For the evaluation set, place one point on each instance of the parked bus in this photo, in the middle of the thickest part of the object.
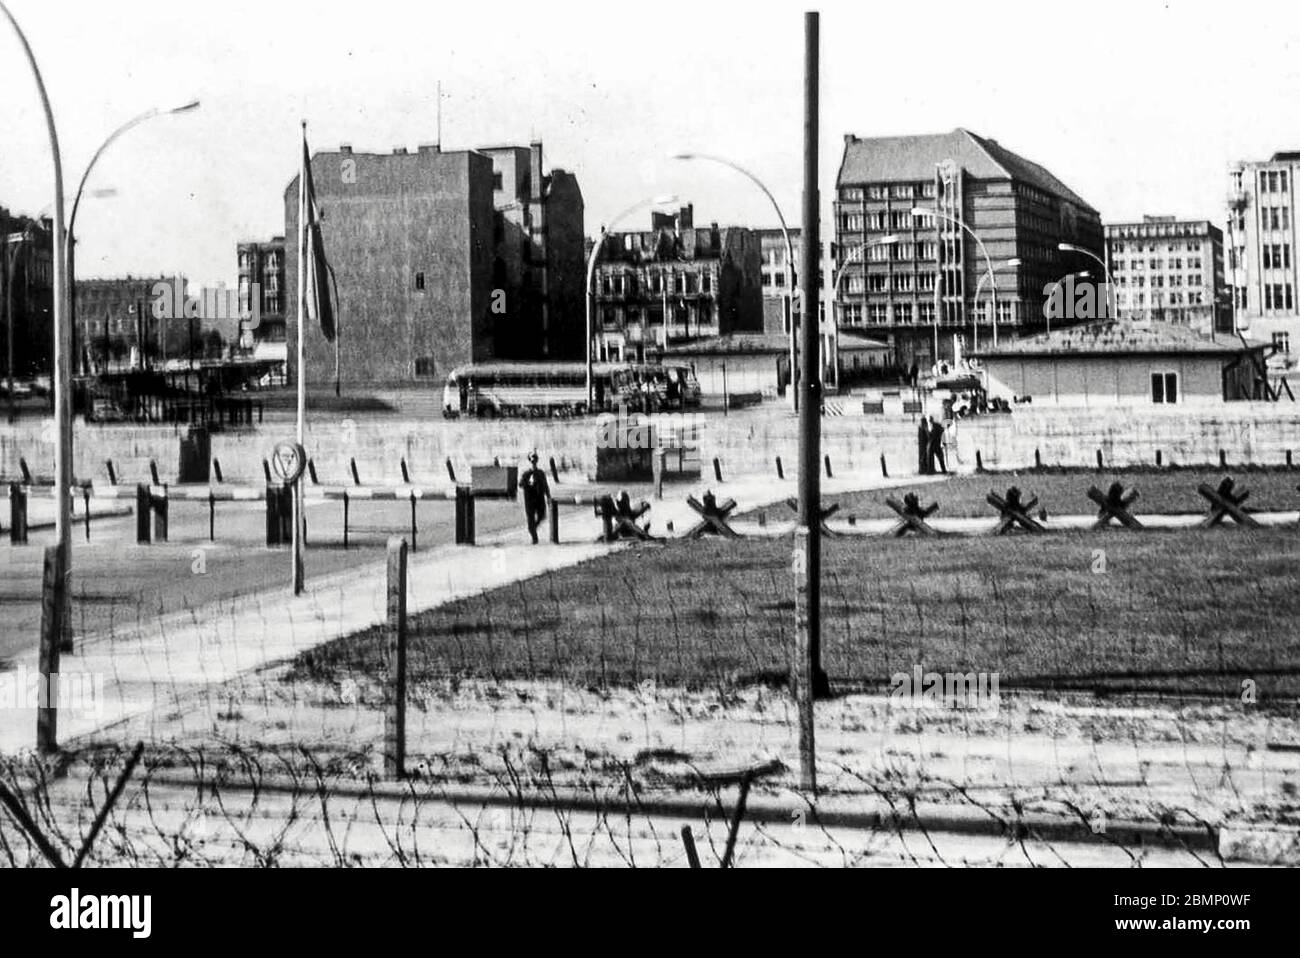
(560, 389)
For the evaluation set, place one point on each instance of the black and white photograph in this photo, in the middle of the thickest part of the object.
(703, 435)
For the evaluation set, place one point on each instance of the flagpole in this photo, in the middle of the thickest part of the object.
(298, 510)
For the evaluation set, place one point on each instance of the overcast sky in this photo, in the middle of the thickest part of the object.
(1139, 106)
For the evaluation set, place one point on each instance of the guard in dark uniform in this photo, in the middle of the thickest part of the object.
(536, 493)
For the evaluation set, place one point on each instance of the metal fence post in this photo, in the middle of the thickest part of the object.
(17, 514)
(395, 711)
(143, 515)
(53, 583)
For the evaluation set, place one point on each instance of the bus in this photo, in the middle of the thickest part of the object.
(560, 389)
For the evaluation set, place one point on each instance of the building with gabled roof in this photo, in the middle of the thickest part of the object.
(923, 282)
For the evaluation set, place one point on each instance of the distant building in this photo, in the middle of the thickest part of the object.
(26, 288)
(1118, 362)
(261, 267)
(673, 283)
(772, 243)
(917, 284)
(441, 258)
(118, 328)
(1169, 269)
(1262, 250)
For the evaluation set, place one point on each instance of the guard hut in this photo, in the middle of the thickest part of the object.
(1119, 362)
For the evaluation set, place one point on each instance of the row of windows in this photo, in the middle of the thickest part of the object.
(1272, 181)
(882, 191)
(1277, 296)
(681, 314)
(627, 284)
(1192, 262)
(1158, 282)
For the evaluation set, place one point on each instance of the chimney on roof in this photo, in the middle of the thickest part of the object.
(430, 148)
(345, 147)
(399, 151)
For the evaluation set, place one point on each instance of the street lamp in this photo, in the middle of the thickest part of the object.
(58, 628)
(921, 212)
(1013, 263)
(855, 256)
(81, 187)
(1071, 248)
(591, 278)
(789, 256)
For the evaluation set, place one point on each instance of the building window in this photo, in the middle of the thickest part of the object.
(1282, 342)
(496, 181)
(424, 367)
(706, 282)
(419, 282)
(1164, 387)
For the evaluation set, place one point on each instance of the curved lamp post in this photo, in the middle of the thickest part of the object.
(81, 187)
(921, 212)
(60, 626)
(1051, 292)
(789, 255)
(854, 257)
(591, 278)
(1105, 267)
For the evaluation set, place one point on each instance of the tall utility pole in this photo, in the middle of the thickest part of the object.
(810, 681)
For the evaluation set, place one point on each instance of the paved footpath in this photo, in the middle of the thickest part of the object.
(153, 665)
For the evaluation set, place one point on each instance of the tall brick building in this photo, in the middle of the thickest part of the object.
(421, 242)
(674, 283)
(918, 293)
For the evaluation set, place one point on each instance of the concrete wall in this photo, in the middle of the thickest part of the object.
(746, 441)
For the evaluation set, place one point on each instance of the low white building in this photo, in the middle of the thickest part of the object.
(753, 363)
(1123, 363)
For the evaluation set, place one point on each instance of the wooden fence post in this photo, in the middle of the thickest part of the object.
(555, 522)
(53, 582)
(395, 712)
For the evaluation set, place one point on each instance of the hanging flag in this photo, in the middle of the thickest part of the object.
(319, 305)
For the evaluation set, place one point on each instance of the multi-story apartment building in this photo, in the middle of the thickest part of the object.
(775, 289)
(118, 328)
(26, 294)
(1171, 270)
(261, 268)
(539, 238)
(920, 281)
(442, 258)
(674, 283)
(1262, 250)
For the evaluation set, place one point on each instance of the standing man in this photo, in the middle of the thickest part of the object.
(924, 455)
(536, 494)
(936, 446)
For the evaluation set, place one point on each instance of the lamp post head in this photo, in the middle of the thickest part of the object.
(665, 200)
(1015, 262)
(186, 108)
(920, 211)
(684, 156)
(1068, 248)
(888, 240)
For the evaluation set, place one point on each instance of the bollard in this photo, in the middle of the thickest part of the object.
(1288, 458)
(1223, 459)
(780, 470)
(85, 504)
(212, 517)
(27, 473)
(395, 710)
(153, 473)
(1100, 465)
(311, 472)
(829, 475)
(160, 510)
(1038, 459)
(216, 470)
(979, 462)
(555, 521)
(451, 473)
(356, 478)
(112, 473)
(1159, 456)
(266, 470)
(717, 469)
(279, 514)
(884, 467)
(659, 465)
(17, 514)
(464, 516)
(143, 509)
(406, 481)
(555, 473)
